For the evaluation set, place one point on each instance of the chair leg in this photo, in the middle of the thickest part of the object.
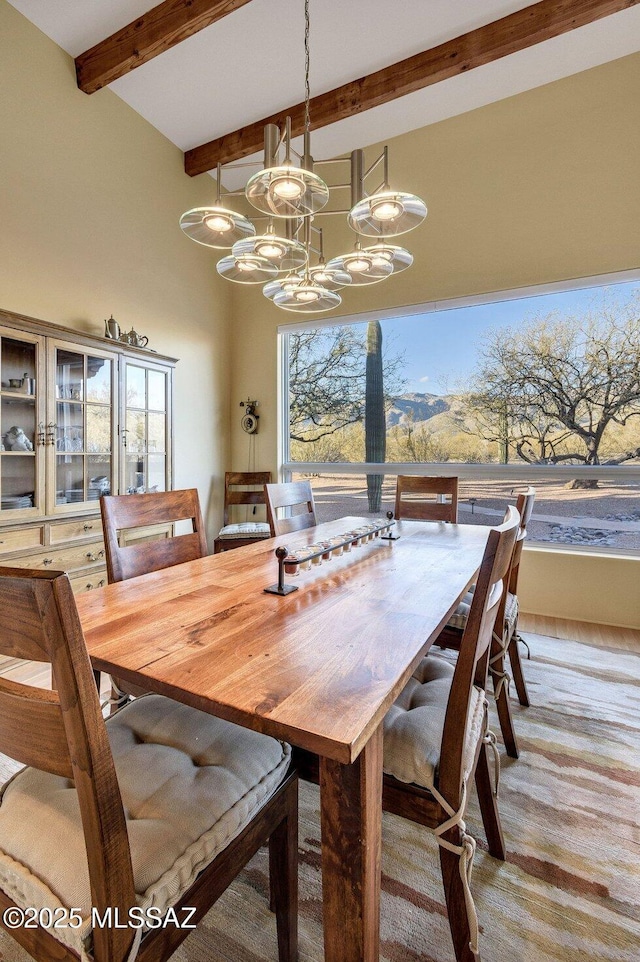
(454, 897)
(516, 670)
(283, 878)
(489, 806)
(503, 705)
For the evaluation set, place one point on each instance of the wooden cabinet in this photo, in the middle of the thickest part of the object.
(80, 416)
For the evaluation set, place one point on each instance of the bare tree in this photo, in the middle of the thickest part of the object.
(327, 380)
(551, 388)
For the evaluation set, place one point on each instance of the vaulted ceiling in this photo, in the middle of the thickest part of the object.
(209, 73)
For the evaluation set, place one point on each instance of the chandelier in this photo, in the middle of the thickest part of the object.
(289, 196)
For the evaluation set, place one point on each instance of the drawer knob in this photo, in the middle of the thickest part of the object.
(90, 585)
(95, 557)
(48, 561)
(87, 527)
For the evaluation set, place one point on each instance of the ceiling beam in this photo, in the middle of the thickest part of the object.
(143, 39)
(524, 28)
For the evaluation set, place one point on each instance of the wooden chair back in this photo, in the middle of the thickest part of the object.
(524, 506)
(126, 511)
(63, 732)
(473, 659)
(244, 487)
(292, 494)
(422, 503)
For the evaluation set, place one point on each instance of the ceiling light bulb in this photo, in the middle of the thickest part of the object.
(270, 248)
(386, 210)
(306, 294)
(219, 223)
(290, 283)
(287, 187)
(356, 264)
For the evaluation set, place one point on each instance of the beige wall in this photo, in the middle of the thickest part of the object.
(540, 187)
(90, 196)
(603, 589)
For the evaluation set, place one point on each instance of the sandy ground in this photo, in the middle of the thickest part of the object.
(606, 517)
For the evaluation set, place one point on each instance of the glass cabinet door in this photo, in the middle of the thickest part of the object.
(21, 417)
(146, 439)
(81, 431)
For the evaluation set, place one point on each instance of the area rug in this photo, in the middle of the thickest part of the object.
(570, 888)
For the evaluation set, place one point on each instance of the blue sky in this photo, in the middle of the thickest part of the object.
(440, 348)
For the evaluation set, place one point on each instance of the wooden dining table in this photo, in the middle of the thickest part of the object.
(318, 667)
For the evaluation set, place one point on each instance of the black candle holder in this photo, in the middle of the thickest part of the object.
(348, 540)
(281, 588)
(391, 536)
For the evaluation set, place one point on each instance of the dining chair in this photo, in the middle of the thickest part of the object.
(294, 495)
(242, 488)
(420, 498)
(147, 815)
(436, 739)
(127, 512)
(505, 640)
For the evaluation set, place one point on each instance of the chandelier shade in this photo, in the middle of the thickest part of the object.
(399, 258)
(387, 214)
(362, 266)
(246, 269)
(332, 278)
(285, 255)
(307, 298)
(216, 226)
(281, 284)
(287, 191)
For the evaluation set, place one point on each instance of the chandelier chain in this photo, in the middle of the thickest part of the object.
(307, 118)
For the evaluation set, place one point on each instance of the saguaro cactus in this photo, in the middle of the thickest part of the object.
(375, 428)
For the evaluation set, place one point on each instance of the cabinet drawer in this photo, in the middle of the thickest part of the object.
(73, 530)
(63, 559)
(94, 578)
(22, 538)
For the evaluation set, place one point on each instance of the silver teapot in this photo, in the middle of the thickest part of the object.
(134, 339)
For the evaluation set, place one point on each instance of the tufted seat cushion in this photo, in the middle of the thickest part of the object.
(414, 724)
(189, 781)
(246, 529)
(459, 618)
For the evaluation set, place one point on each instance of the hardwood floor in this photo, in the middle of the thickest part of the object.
(600, 636)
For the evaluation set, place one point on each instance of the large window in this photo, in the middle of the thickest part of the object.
(540, 387)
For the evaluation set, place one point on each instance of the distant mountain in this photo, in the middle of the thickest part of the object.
(416, 407)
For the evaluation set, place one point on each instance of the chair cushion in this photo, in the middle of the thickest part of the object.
(459, 618)
(190, 782)
(414, 724)
(246, 529)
